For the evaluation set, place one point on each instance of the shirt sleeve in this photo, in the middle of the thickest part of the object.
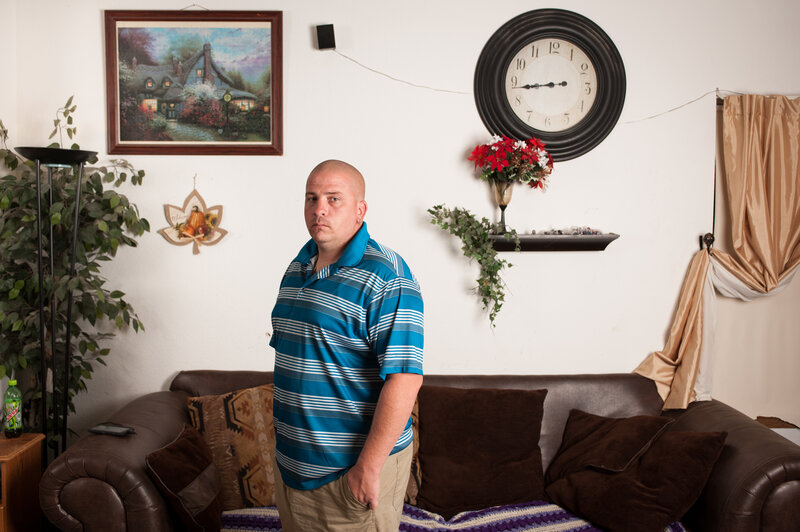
(396, 333)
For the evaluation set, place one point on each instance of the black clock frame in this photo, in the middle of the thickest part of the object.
(503, 45)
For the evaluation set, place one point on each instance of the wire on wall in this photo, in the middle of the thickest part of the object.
(717, 92)
(398, 79)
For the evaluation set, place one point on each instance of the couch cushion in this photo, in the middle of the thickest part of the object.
(608, 444)
(644, 488)
(238, 428)
(184, 473)
(478, 448)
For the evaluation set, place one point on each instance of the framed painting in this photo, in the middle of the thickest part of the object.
(194, 82)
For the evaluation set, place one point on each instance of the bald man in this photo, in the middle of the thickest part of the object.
(348, 339)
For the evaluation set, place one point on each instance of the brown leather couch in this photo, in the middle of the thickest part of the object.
(100, 484)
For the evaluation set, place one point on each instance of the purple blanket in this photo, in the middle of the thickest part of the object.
(538, 515)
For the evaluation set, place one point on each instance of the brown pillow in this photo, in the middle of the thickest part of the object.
(238, 428)
(478, 448)
(653, 491)
(609, 444)
(415, 477)
(184, 473)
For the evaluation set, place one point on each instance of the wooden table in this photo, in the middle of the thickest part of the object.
(21, 469)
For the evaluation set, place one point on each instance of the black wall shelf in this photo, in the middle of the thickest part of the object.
(555, 242)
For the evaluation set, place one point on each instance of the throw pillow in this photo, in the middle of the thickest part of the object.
(655, 489)
(184, 473)
(238, 428)
(478, 448)
(415, 477)
(609, 444)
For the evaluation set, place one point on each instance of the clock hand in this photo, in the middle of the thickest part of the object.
(540, 85)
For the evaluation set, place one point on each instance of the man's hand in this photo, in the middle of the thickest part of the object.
(365, 485)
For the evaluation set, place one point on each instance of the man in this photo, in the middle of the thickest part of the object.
(348, 336)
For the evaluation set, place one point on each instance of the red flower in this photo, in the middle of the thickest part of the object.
(508, 160)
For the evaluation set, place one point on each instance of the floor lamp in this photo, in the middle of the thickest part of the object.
(53, 158)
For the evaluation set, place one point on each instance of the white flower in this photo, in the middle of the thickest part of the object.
(543, 160)
(519, 145)
(495, 139)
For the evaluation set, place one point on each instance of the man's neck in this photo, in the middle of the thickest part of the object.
(323, 259)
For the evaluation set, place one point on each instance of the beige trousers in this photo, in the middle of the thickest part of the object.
(333, 507)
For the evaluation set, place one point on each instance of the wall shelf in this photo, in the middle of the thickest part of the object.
(555, 242)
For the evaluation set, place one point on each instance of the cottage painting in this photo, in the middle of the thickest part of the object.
(209, 85)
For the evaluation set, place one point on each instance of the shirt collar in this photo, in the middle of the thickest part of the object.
(352, 255)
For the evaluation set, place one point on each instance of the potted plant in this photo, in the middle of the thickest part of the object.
(504, 161)
(107, 220)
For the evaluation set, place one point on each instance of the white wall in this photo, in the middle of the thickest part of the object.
(651, 181)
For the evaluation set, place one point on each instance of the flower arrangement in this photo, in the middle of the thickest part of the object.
(506, 160)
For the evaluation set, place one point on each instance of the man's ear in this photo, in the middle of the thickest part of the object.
(362, 210)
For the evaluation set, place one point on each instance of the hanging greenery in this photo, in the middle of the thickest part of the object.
(107, 221)
(476, 244)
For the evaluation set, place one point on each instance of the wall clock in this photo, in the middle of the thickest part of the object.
(554, 75)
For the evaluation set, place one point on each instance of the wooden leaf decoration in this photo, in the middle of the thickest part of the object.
(194, 223)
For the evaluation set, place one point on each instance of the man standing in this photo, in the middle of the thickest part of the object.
(348, 337)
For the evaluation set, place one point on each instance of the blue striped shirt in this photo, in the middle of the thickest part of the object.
(337, 334)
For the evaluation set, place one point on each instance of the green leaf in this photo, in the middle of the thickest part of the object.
(17, 326)
(2, 371)
(103, 226)
(114, 201)
(23, 362)
(55, 218)
(4, 203)
(116, 294)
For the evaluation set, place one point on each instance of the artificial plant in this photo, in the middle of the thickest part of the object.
(476, 244)
(107, 220)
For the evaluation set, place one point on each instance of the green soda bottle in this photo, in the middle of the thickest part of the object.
(13, 410)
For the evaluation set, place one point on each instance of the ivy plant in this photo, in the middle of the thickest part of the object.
(107, 221)
(476, 245)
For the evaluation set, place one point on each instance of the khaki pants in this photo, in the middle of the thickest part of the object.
(333, 507)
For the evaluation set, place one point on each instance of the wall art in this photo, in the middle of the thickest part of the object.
(193, 223)
(194, 82)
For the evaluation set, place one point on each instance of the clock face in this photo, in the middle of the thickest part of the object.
(551, 84)
(554, 75)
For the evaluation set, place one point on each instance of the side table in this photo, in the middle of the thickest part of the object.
(21, 469)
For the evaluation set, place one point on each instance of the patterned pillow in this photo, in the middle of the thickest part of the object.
(237, 426)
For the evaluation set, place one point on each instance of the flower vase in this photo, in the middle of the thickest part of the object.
(502, 195)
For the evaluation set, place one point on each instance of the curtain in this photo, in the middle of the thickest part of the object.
(761, 154)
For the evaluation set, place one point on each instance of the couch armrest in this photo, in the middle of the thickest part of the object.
(755, 484)
(100, 483)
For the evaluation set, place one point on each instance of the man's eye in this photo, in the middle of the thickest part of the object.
(335, 200)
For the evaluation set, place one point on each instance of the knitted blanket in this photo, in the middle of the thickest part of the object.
(538, 515)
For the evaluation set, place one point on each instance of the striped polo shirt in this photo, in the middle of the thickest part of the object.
(337, 334)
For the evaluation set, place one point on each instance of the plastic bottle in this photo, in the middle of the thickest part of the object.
(13, 410)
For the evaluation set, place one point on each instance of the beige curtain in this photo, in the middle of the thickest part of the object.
(761, 147)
